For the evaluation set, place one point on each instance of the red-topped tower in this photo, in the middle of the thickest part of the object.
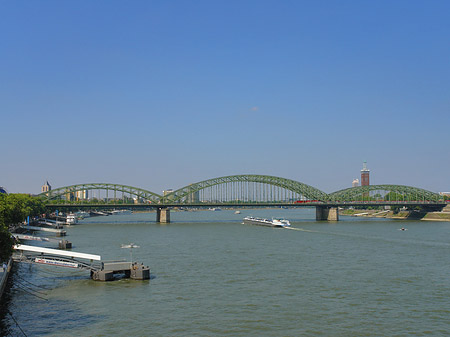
(365, 175)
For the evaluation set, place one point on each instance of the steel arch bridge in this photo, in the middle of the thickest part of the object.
(226, 190)
(388, 193)
(74, 192)
(238, 190)
(245, 188)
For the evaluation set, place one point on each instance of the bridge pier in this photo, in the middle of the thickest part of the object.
(163, 215)
(327, 213)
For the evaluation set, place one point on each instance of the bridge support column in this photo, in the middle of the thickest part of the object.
(327, 213)
(163, 215)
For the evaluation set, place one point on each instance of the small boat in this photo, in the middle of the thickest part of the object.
(250, 220)
(71, 219)
(237, 212)
(131, 245)
(82, 214)
(98, 213)
(120, 211)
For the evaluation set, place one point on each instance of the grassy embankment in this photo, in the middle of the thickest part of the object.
(401, 215)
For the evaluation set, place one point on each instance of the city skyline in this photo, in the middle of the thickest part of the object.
(160, 95)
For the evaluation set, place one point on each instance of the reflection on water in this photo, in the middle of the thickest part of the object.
(212, 275)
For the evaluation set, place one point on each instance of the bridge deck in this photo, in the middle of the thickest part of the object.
(246, 204)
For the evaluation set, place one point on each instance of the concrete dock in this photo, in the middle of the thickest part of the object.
(132, 270)
(100, 271)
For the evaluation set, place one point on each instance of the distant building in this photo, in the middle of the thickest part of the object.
(166, 192)
(365, 175)
(82, 195)
(355, 183)
(70, 196)
(445, 194)
(193, 198)
(46, 187)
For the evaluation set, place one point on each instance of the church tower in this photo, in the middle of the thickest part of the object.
(46, 187)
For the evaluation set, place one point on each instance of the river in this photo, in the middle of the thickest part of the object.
(213, 276)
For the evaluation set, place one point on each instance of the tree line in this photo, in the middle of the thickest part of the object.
(14, 209)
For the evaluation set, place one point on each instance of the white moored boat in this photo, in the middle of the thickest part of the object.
(250, 220)
(71, 219)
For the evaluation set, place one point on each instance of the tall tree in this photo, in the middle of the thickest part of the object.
(15, 208)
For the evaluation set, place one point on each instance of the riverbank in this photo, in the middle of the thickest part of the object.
(401, 215)
(4, 274)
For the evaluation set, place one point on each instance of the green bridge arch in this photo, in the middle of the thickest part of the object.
(297, 189)
(222, 190)
(385, 193)
(144, 195)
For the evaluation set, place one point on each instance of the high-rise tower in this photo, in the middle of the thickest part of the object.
(365, 175)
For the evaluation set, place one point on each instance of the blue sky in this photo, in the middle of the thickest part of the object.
(160, 94)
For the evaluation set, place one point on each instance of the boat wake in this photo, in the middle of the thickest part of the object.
(302, 230)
